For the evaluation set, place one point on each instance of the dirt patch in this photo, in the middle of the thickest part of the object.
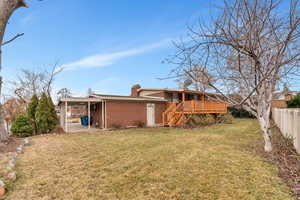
(287, 160)
(11, 146)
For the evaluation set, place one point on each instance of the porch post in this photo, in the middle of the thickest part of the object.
(105, 116)
(66, 116)
(183, 96)
(89, 113)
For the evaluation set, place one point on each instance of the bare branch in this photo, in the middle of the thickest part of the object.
(12, 39)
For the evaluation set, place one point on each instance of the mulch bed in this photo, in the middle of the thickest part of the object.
(287, 160)
(11, 145)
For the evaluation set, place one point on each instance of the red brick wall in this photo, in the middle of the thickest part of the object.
(279, 104)
(126, 113)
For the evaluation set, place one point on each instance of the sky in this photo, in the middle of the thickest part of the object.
(104, 45)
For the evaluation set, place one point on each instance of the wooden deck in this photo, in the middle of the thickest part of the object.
(175, 112)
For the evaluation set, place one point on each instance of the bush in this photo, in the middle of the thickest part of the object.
(240, 113)
(225, 118)
(201, 120)
(139, 124)
(294, 102)
(21, 126)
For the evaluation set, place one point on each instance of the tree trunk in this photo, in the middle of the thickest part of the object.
(263, 115)
(266, 131)
(7, 7)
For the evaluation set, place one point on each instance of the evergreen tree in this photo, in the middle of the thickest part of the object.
(21, 127)
(42, 115)
(52, 119)
(31, 112)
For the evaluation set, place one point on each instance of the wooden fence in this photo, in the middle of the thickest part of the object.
(288, 121)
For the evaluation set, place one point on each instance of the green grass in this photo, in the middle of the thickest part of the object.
(216, 162)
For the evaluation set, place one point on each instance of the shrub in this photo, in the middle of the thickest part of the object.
(201, 120)
(139, 124)
(240, 113)
(294, 102)
(225, 118)
(21, 126)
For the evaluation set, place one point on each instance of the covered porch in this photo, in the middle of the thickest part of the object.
(94, 114)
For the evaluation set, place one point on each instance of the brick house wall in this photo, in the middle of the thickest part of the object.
(127, 113)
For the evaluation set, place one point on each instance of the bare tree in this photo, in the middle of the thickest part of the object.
(34, 82)
(7, 8)
(249, 48)
(64, 93)
(12, 108)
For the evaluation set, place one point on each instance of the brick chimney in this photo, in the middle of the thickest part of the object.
(134, 90)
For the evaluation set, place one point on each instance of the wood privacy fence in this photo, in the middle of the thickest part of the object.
(288, 121)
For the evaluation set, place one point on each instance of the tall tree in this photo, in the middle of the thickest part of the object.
(42, 114)
(31, 112)
(7, 8)
(52, 119)
(249, 48)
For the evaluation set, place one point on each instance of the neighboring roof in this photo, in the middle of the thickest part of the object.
(281, 95)
(100, 97)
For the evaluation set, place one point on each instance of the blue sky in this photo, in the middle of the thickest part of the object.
(104, 45)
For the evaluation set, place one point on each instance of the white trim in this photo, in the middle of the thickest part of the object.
(66, 116)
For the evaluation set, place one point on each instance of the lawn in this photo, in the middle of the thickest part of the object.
(217, 162)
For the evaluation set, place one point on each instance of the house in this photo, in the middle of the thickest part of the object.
(149, 106)
(280, 98)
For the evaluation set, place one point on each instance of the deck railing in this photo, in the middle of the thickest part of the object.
(194, 106)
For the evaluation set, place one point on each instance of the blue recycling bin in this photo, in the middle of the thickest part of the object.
(84, 120)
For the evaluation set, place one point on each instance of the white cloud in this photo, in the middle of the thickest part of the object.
(101, 60)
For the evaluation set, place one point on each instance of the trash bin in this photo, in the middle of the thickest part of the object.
(84, 120)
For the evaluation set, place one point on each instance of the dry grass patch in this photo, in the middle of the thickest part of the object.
(211, 163)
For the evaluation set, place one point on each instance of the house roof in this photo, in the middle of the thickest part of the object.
(175, 90)
(281, 95)
(133, 98)
(101, 97)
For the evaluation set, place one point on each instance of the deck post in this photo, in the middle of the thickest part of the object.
(183, 96)
(193, 106)
(66, 116)
(89, 114)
